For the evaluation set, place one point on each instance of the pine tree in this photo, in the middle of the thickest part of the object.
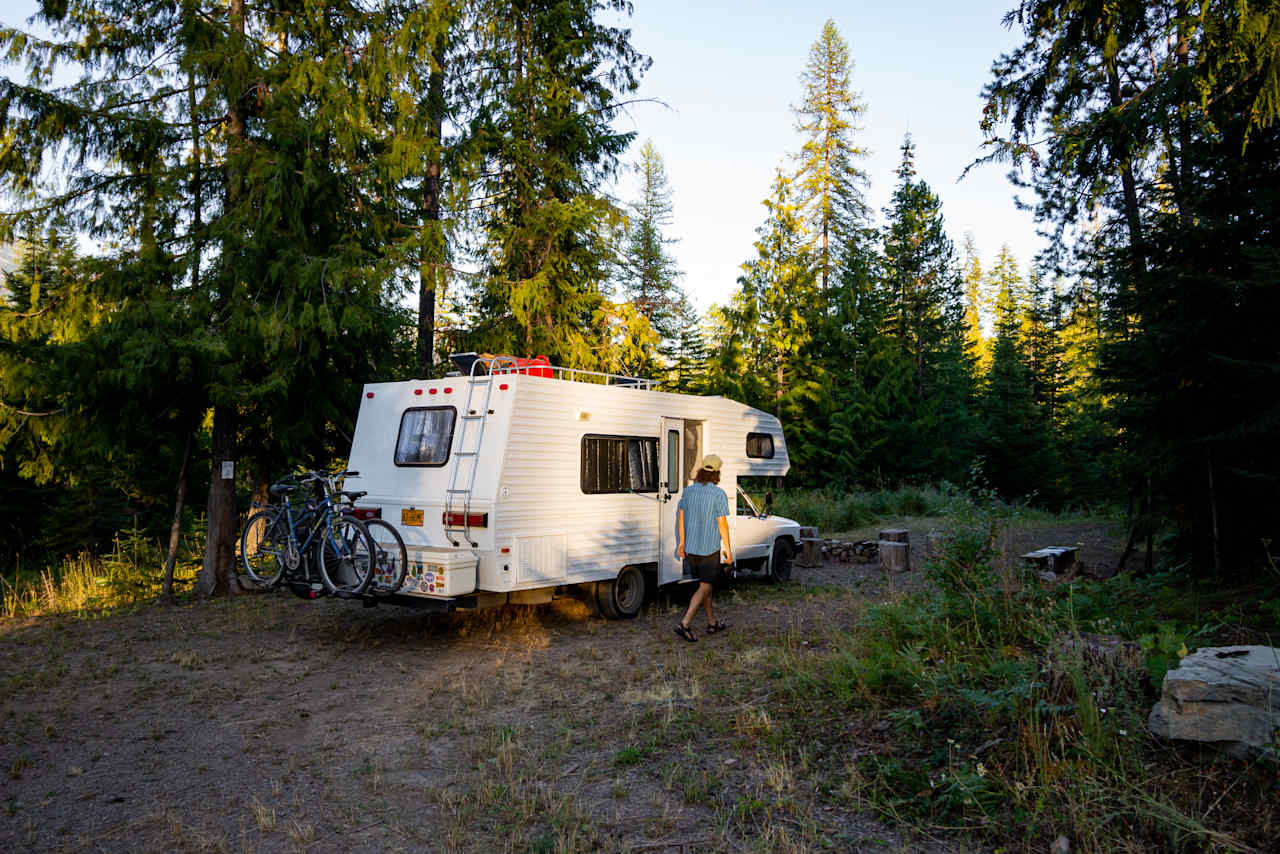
(1016, 442)
(923, 303)
(977, 345)
(828, 181)
(549, 80)
(647, 271)
(259, 259)
(1162, 125)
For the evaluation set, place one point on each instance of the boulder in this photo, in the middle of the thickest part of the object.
(1229, 695)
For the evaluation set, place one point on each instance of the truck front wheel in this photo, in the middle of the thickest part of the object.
(784, 554)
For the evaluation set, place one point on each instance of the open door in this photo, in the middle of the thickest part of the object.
(681, 451)
(672, 481)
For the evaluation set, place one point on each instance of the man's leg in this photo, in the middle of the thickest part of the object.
(706, 604)
(695, 602)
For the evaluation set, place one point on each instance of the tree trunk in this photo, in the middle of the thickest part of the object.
(777, 402)
(432, 269)
(175, 530)
(197, 186)
(1213, 517)
(219, 548)
(1129, 186)
(1150, 562)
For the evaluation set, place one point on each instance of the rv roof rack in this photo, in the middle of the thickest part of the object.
(484, 364)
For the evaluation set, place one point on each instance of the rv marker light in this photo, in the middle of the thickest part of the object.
(369, 394)
(431, 391)
(417, 391)
(448, 390)
(503, 387)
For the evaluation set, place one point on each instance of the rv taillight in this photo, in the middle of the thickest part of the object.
(367, 512)
(468, 520)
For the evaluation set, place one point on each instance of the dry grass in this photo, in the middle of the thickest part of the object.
(83, 584)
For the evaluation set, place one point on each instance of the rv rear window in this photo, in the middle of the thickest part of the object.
(760, 446)
(426, 434)
(619, 464)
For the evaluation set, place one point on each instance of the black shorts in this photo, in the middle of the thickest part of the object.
(705, 568)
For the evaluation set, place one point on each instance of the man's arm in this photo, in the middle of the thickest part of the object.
(680, 528)
(723, 522)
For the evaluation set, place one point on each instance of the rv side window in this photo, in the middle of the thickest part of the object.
(619, 464)
(673, 461)
(760, 446)
(426, 434)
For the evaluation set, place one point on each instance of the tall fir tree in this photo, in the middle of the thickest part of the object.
(774, 313)
(647, 270)
(829, 183)
(976, 309)
(1015, 445)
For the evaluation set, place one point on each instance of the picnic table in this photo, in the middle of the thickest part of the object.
(1055, 558)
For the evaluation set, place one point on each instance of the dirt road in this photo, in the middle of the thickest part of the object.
(266, 723)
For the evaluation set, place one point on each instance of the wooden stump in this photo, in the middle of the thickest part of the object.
(895, 535)
(810, 548)
(895, 556)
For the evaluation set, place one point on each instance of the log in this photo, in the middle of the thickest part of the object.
(895, 556)
(895, 535)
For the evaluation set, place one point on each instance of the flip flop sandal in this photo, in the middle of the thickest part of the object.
(716, 627)
(685, 632)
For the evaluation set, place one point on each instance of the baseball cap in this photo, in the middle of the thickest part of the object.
(711, 462)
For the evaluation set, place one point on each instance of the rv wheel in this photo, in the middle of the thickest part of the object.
(784, 555)
(623, 597)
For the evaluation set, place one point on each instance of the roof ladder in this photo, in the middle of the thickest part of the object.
(466, 459)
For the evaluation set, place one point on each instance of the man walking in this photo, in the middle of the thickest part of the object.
(702, 525)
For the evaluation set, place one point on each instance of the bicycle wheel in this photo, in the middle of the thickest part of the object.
(344, 554)
(264, 547)
(392, 557)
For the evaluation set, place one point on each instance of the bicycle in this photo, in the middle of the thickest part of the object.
(276, 546)
(392, 558)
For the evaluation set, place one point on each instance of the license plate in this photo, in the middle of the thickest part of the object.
(411, 517)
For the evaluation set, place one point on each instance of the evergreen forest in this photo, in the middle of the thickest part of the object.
(227, 217)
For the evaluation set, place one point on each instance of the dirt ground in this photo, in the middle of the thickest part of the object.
(267, 723)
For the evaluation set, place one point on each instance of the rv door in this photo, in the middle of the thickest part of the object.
(670, 566)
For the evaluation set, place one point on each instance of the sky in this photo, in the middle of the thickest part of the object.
(730, 72)
(727, 72)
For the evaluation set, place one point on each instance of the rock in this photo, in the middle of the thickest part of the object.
(1227, 695)
(1061, 845)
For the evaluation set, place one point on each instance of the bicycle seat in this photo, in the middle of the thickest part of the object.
(355, 496)
(282, 488)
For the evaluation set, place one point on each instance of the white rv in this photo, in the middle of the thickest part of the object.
(519, 482)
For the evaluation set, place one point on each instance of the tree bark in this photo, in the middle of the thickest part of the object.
(432, 269)
(175, 530)
(1150, 562)
(219, 548)
(1128, 185)
(197, 186)
(1213, 517)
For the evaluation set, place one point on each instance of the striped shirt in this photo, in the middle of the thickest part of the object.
(703, 504)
